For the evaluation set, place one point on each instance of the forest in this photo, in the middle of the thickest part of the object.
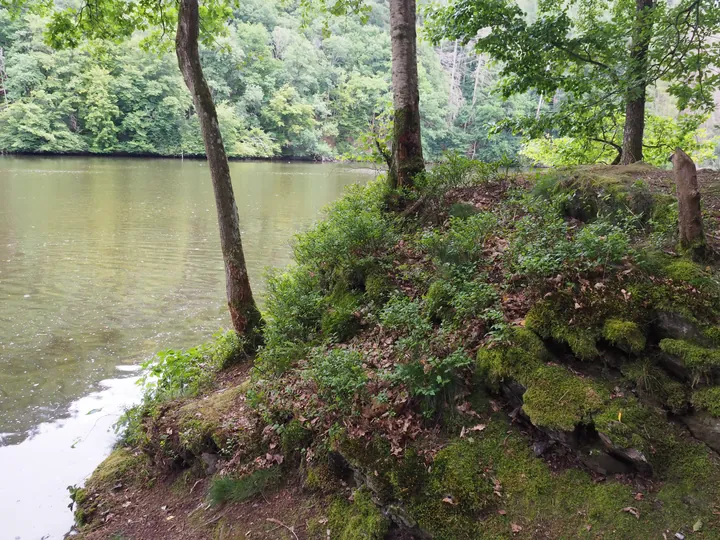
(286, 86)
(461, 348)
(283, 88)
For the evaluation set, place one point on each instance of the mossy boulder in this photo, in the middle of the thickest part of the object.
(626, 335)
(359, 520)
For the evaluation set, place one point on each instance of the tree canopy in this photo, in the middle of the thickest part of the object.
(591, 57)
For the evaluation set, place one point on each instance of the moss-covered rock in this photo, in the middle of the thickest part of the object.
(558, 399)
(359, 520)
(708, 399)
(699, 360)
(551, 320)
(624, 334)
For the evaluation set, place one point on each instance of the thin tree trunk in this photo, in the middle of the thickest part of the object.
(636, 94)
(244, 313)
(471, 117)
(453, 72)
(407, 146)
(692, 237)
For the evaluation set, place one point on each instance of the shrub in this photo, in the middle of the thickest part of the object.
(340, 321)
(294, 303)
(338, 373)
(463, 240)
(355, 227)
(455, 171)
(431, 378)
(459, 299)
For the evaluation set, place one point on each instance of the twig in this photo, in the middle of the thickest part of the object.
(278, 522)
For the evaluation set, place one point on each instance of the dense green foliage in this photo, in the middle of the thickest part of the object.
(577, 55)
(281, 88)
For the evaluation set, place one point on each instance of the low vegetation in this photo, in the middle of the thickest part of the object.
(519, 356)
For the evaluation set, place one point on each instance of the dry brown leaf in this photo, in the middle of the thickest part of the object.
(632, 510)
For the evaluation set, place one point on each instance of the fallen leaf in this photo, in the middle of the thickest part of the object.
(638, 496)
(698, 525)
(479, 427)
(449, 500)
(502, 512)
(632, 510)
(515, 528)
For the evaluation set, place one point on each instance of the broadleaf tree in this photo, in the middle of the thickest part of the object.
(595, 58)
(120, 19)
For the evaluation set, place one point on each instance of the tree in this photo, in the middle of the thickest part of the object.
(243, 310)
(119, 19)
(597, 57)
(407, 156)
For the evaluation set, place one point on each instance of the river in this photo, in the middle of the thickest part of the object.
(104, 261)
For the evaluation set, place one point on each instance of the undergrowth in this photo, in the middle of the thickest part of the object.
(395, 339)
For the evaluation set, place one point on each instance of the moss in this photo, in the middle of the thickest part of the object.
(462, 210)
(626, 422)
(227, 489)
(377, 286)
(201, 424)
(696, 358)
(361, 520)
(521, 355)
(708, 399)
(550, 321)
(293, 439)
(558, 399)
(457, 473)
(651, 382)
(121, 464)
(624, 334)
(438, 299)
(340, 321)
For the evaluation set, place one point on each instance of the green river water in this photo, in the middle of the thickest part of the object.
(103, 262)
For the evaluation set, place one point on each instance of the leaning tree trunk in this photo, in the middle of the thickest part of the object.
(407, 158)
(244, 313)
(692, 238)
(632, 150)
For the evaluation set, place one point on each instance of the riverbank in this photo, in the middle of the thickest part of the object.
(521, 356)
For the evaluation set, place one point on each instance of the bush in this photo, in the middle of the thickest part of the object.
(339, 375)
(183, 372)
(459, 299)
(464, 239)
(431, 378)
(455, 171)
(340, 321)
(544, 244)
(355, 228)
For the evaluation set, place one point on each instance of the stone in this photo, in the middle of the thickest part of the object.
(704, 427)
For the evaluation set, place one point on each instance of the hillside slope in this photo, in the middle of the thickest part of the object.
(512, 357)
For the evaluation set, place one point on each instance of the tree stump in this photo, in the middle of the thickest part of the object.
(692, 238)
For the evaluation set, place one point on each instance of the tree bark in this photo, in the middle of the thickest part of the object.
(636, 94)
(407, 147)
(246, 319)
(692, 238)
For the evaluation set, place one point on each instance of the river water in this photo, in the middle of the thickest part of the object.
(102, 263)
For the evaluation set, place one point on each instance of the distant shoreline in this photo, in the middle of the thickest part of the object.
(195, 157)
